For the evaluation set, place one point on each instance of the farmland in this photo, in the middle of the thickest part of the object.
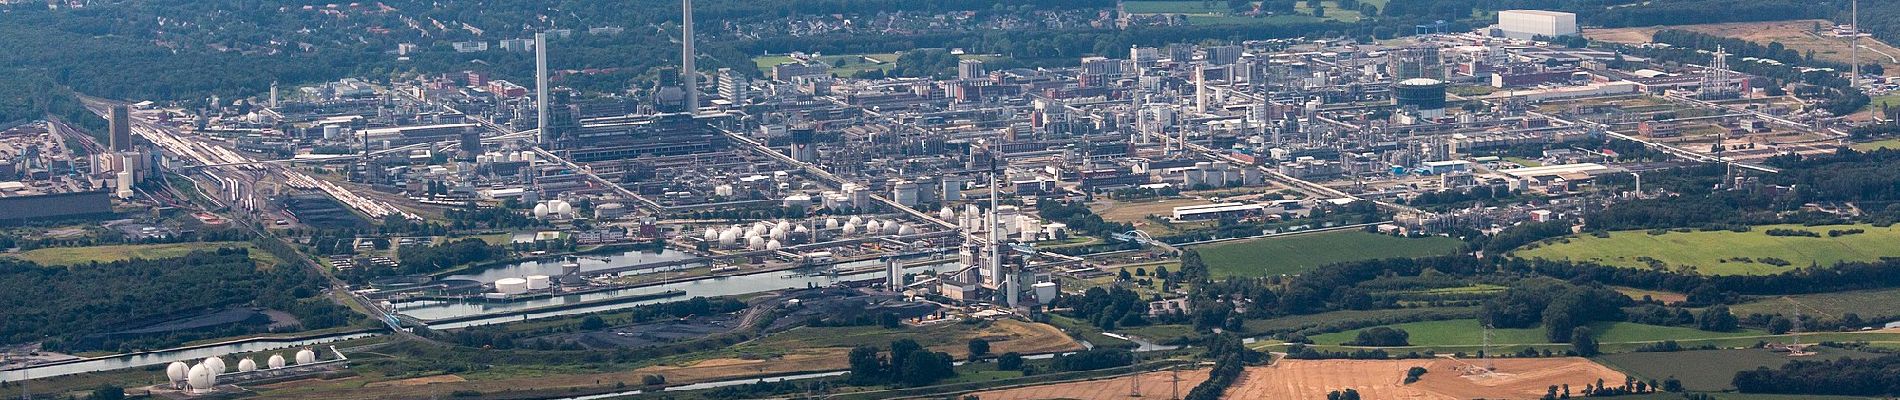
(1523, 378)
(1797, 35)
(1714, 368)
(83, 255)
(1866, 303)
(1723, 252)
(1152, 383)
(1467, 332)
(1295, 254)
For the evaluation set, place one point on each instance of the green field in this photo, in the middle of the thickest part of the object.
(1866, 303)
(1467, 332)
(1295, 254)
(1217, 13)
(1714, 369)
(852, 63)
(1878, 144)
(83, 255)
(1715, 252)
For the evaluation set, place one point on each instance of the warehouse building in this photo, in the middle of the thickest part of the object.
(1526, 24)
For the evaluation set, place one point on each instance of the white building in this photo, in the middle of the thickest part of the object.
(1524, 24)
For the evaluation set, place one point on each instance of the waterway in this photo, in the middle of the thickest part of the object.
(134, 360)
(552, 266)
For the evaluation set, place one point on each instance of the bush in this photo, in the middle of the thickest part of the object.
(1411, 375)
(653, 380)
(1381, 337)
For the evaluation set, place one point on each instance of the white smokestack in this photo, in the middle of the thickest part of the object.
(689, 76)
(541, 86)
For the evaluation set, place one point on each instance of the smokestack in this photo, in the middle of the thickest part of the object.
(541, 87)
(688, 77)
(120, 138)
(1200, 88)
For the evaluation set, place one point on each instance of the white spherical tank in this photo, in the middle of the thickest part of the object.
(562, 208)
(850, 228)
(306, 356)
(503, 286)
(755, 243)
(801, 230)
(537, 282)
(873, 227)
(246, 365)
(711, 234)
(783, 226)
(892, 228)
(777, 233)
(947, 214)
(177, 373)
(906, 230)
(773, 245)
(276, 361)
(215, 364)
(856, 220)
(832, 223)
(730, 237)
(200, 378)
(541, 210)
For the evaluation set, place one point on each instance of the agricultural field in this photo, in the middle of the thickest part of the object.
(1866, 303)
(1657, 295)
(1294, 254)
(1136, 212)
(1468, 332)
(1157, 384)
(1723, 252)
(1797, 34)
(1879, 144)
(82, 255)
(1714, 368)
(1297, 322)
(1445, 378)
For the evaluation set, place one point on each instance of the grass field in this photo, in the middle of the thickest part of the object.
(1714, 253)
(1298, 253)
(1296, 322)
(853, 63)
(1714, 369)
(1879, 144)
(1467, 332)
(1217, 13)
(1866, 303)
(83, 255)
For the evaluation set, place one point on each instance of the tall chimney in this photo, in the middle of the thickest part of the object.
(689, 78)
(541, 88)
(120, 121)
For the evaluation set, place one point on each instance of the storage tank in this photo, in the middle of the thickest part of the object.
(306, 356)
(537, 282)
(541, 211)
(177, 373)
(276, 361)
(503, 286)
(562, 209)
(731, 236)
(873, 227)
(849, 228)
(201, 379)
(755, 243)
(892, 228)
(906, 230)
(215, 364)
(246, 365)
(947, 214)
(832, 223)
(711, 234)
(773, 245)
(1425, 93)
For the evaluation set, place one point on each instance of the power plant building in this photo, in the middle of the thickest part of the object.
(1526, 24)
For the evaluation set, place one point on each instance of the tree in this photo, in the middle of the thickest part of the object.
(889, 321)
(1717, 319)
(978, 348)
(1780, 325)
(1011, 361)
(1583, 341)
(592, 322)
(866, 367)
(108, 392)
(1381, 336)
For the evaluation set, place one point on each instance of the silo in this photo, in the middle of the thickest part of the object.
(503, 286)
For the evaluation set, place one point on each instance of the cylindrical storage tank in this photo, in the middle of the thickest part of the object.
(537, 282)
(177, 373)
(246, 365)
(276, 361)
(306, 356)
(215, 364)
(503, 286)
(200, 378)
(1424, 93)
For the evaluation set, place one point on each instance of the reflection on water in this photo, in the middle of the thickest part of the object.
(140, 360)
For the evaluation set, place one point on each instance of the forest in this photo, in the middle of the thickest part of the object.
(63, 305)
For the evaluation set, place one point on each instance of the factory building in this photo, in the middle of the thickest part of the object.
(1526, 24)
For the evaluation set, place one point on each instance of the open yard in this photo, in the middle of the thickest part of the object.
(1294, 254)
(1137, 212)
(1879, 144)
(1153, 384)
(1724, 252)
(83, 255)
(1445, 378)
(1714, 368)
(1798, 35)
